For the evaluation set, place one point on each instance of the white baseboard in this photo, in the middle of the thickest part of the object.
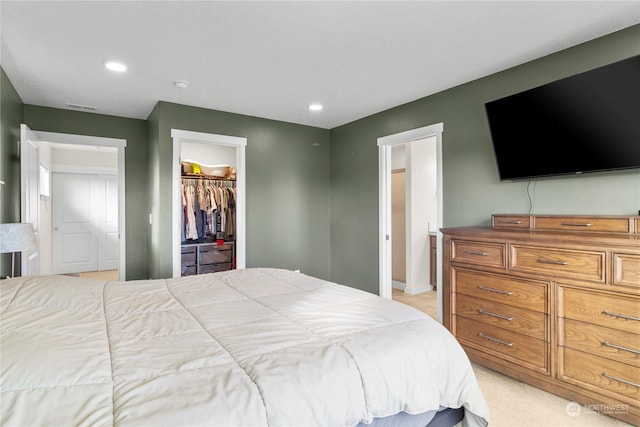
(398, 285)
(417, 289)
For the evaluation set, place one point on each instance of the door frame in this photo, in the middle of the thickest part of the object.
(240, 144)
(384, 203)
(120, 145)
(29, 202)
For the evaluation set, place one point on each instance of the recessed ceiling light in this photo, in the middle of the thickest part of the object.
(118, 67)
(315, 107)
(182, 84)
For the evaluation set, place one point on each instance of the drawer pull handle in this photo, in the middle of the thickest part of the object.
(476, 253)
(510, 222)
(619, 347)
(497, 291)
(622, 316)
(576, 224)
(499, 316)
(487, 337)
(611, 377)
(550, 261)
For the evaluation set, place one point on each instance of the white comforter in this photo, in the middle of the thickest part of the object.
(246, 347)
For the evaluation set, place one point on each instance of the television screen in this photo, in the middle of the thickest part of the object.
(587, 122)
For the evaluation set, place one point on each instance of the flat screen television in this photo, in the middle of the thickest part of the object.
(587, 122)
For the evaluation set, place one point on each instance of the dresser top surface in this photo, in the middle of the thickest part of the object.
(550, 235)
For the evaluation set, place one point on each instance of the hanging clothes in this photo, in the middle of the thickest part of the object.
(191, 231)
(209, 209)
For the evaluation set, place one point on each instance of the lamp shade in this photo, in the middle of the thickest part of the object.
(17, 237)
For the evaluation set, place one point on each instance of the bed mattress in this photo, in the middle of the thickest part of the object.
(251, 347)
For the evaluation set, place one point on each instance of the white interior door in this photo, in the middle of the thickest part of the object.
(85, 223)
(107, 222)
(75, 235)
(30, 195)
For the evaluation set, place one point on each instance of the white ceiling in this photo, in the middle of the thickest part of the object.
(271, 59)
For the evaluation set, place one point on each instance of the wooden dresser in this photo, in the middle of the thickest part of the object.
(553, 301)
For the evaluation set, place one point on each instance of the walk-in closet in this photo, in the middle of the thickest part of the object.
(208, 206)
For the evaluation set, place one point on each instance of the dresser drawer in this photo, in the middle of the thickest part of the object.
(619, 379)
(187, 270)
(516, 292)
(212, 254)
(611, 311)
(583, 223)
(488, 254)
(531, 323)
(511, 221)
(214, 268)
(626, 270)
(600, 341)
(503, 343)
(585, 265)
(188, 255)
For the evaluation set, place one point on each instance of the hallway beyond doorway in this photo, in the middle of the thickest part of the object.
(107, 275)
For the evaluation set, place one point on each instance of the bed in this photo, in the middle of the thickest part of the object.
(250, 347)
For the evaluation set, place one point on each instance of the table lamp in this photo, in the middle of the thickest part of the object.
(14, 238)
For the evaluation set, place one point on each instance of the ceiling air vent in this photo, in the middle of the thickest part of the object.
(81, 107)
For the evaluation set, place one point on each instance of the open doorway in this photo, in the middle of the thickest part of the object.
(424, 220)
(57, 168)
(237, 146)
(398, 219)
(83, 211)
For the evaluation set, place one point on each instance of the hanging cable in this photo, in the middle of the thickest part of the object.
(530, 197)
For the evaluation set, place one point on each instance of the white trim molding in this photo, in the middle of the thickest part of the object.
(240, 144)
(99, 141)
(65, 138)
(384, 191)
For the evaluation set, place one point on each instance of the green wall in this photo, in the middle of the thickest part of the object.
(471, 187)
(136, 188)
(10, 119)
(287, 185)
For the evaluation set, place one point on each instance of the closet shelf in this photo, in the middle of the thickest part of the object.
(203, 176)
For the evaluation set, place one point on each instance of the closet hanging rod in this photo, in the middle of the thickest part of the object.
(212, 181)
